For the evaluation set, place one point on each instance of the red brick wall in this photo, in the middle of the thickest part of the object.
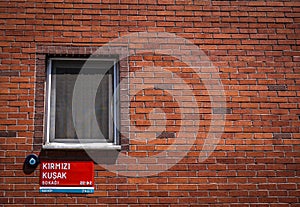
(255, 47)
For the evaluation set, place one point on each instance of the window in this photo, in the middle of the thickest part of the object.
(82, 108)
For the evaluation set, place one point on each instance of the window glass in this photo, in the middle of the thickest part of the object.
(63, 75)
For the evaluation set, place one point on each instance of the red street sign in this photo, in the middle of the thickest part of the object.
(67, 173)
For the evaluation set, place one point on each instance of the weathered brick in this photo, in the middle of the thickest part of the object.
(282, 136)
(277, 88)
(8, 133)
(166, 135)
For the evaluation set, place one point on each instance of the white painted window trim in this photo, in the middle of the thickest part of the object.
(75, 145)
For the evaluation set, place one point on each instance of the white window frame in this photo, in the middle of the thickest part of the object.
(115, 145)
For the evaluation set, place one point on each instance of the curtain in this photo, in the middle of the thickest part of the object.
(63, 82)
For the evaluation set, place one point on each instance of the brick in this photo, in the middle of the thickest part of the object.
(277, 88)
(8, 133)
(282, 136)
(253, 46)
(222, 110)
(166, 135)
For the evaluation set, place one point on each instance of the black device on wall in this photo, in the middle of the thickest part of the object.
(32, 161)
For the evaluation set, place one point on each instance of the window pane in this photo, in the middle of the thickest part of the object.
(63, 82)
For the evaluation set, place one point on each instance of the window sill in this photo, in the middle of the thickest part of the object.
(81, 146)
